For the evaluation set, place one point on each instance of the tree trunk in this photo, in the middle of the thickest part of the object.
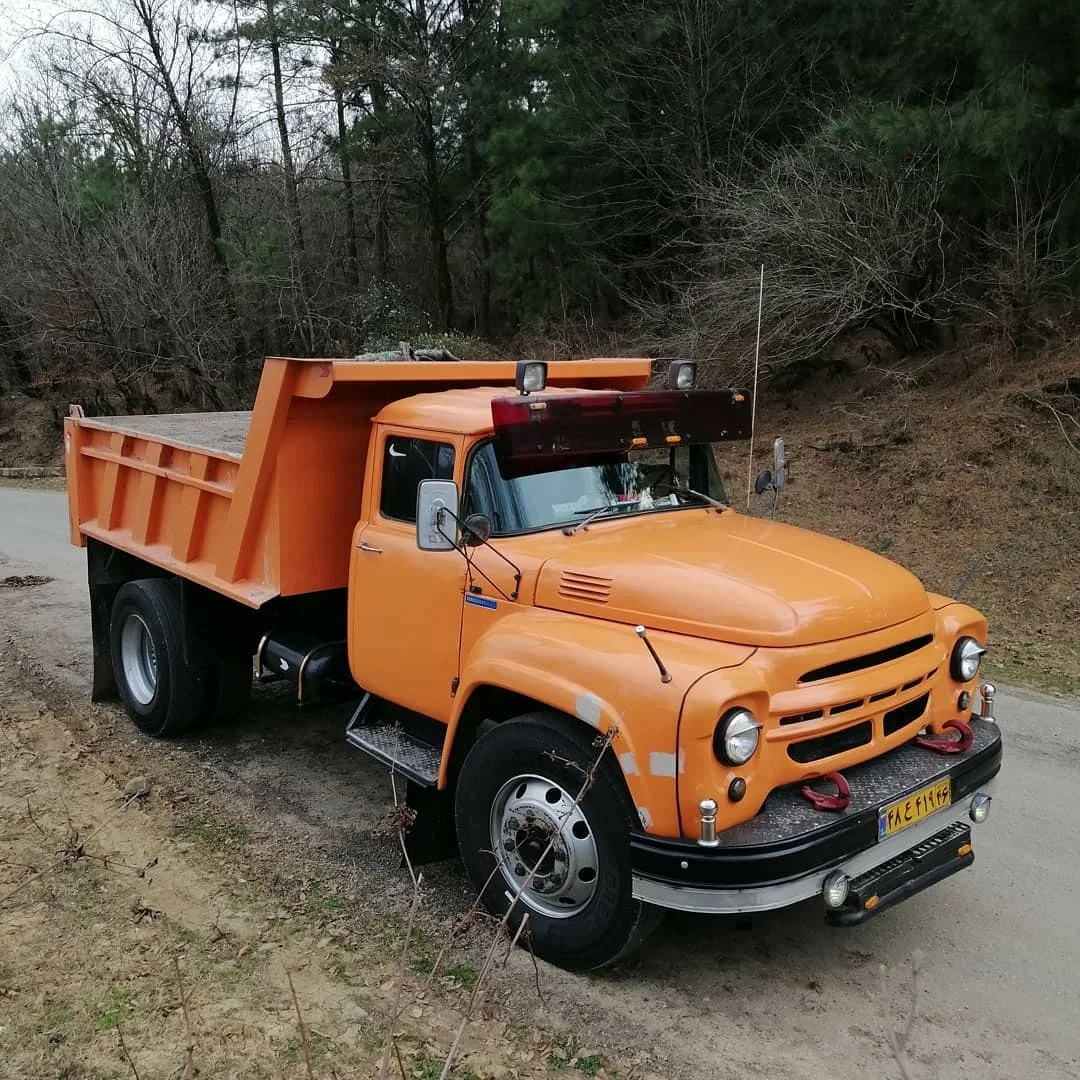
(292, 197)
(382, 201)
(291, 189)
(345, 161)
(201, 174)
(14, 366)
(444, 296)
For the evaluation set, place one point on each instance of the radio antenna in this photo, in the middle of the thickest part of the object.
(753, 402)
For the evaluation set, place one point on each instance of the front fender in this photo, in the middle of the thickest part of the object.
(602, 674)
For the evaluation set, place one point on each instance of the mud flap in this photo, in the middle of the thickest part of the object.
(102, 593)
(431, 837)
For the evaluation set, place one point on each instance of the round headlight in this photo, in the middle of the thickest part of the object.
(965, 659)
(979, 810)
(736, 737)
(836, 888)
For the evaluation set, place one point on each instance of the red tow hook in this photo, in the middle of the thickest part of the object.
(942, 744)
(821, 801)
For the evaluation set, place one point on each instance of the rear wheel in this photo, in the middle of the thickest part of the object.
(162, 693)
(530, 844)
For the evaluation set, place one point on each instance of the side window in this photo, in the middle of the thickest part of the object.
(406, 462)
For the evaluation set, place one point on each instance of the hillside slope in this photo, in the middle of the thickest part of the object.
(937, 463)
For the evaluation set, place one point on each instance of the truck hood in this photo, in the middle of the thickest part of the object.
(728, 577)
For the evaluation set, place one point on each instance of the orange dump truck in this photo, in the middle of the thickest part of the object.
(624, 695)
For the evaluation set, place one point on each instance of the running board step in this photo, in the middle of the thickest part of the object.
(405, 753)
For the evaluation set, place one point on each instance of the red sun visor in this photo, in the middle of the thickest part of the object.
(541, 432)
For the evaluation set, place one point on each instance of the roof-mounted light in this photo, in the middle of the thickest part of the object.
(682, 375)
(531, 376)
(560, 431)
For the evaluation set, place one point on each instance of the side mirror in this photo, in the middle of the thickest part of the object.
(779, 477)
(475, 530)
(436, 528)
(763, 482)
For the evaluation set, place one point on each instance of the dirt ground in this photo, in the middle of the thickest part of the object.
(147, 934)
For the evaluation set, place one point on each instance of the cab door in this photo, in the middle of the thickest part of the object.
(405, 604)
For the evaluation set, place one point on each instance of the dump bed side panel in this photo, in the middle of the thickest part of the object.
(168, 505)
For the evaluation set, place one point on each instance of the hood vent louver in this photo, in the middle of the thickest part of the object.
(574, 585)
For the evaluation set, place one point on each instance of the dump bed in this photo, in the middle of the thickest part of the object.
(263, 503)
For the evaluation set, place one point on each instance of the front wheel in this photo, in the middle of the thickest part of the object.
(528, 841)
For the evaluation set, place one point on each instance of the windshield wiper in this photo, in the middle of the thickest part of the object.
(703, 497)
(593, 515)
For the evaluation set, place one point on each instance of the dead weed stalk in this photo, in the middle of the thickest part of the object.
(304, 1041)
(898, 1040)
(189, 1055)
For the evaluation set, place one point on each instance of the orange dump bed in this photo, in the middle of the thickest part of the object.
(263, 503)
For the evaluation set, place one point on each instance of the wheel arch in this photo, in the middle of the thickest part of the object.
(487, 697)
(209, 622)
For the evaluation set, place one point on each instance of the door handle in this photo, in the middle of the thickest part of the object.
(367, 547)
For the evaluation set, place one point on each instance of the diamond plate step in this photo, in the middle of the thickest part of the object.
(413, 758)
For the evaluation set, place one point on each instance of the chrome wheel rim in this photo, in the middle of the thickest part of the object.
(138, 657)
(542, 841)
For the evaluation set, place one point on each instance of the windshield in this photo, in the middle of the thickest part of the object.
(646, 481)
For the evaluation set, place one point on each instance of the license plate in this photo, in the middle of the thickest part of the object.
(914, 807)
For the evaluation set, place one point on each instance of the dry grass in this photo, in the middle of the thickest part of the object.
(144, 940)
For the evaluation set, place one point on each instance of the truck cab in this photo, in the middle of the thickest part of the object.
(627, 696)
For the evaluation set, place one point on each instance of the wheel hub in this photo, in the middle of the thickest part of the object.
(139, 659)
(544, 845)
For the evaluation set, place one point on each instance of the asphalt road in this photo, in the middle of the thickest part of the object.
(788, 997)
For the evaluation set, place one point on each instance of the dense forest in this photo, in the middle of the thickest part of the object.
(186, 186)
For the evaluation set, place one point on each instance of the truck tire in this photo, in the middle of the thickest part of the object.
(162, 693)
(228, 688)
(516, 787)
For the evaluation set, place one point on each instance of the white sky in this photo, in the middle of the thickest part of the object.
(18, 20)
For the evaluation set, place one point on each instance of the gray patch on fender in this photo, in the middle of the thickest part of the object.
(588, 708)
(629, 764)
(662, 764)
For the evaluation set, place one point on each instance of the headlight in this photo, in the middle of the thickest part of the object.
(736, 737)
(966, 655)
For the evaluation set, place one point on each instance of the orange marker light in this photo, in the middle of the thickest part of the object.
(673, 439)
(964, 849)
(872, 902)
(639, 441)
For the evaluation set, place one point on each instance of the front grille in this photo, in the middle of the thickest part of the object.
(900, 717)
(801, 718)
(574, 585)
(860, 663)
(847, 706)
(836, 742)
